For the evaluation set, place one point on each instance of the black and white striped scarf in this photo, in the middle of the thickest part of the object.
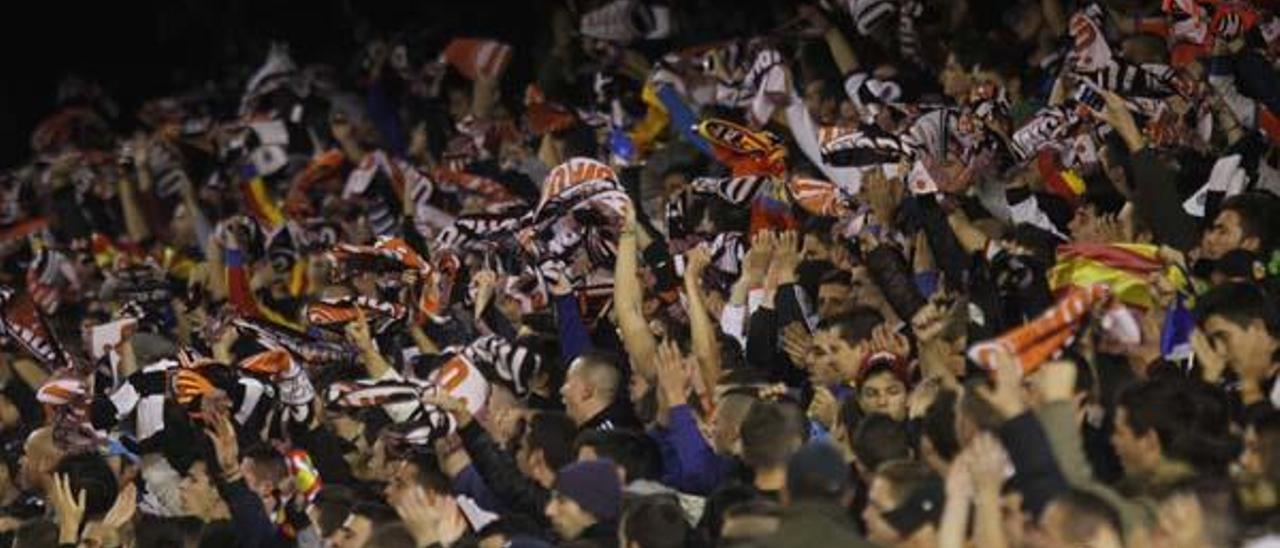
(501, 361)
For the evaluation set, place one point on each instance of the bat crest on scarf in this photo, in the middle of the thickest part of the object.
(744, 150)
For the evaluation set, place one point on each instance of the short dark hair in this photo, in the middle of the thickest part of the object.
(880, 439)
(1240, 303)
(636, 452)
(375, 511)
(656, 522)
(334, 503)
(1089, 513)
(552, 433)
(856, 325)
(767, 435)
(267, 462)
(391, 535)
(603, 370)
(89, 471)
(939, 425)
(906, 478)
(157, 532)
(1187, 415)
(1259, 214)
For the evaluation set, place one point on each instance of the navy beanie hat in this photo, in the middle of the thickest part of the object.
(594, 485)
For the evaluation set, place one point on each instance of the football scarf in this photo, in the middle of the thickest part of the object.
(744, 150)
(335, 313)
(1041, 339)
(503, 362)
(21, 321)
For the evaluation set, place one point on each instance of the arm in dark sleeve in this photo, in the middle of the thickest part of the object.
(1158, 205)
(789, 305)
(696, 468)
(498, 323)
(762, 339)
(511, 488)
(253, 526)
(1038, 476)
(891, 273)
(943, 244)
(1256, 78)
(469, 483)
(574, 339)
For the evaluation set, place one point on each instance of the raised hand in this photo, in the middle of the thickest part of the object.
(1212, 363)
(451, 405)
(786, 257)
(226, 447)
(68, 507)
(697, 260)
(1006, 396)
(797, 342)
(673, 379)
(756, 262)
(824, 407)
(931, 319)
(987, 462)
(885, 339)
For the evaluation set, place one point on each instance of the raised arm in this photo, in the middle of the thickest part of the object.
(628, 298)
(705, 346)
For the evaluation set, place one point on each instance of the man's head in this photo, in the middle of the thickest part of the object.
(547, 445)
(1077, 518)
(769, 436)
(360, 524)
(817, 473)
(835, 294)
(882, 388)
(904, 503)
(879, 439)
(1242, 325)
(39, 457)
(635, 452)
(264, 471)
(726, 419)
(586, 493)
(590, 386)
(90, 473)
(199, 496)
(654, 522)
(837, 346)
(1249, 221)
(1172, 419)
(419, 471)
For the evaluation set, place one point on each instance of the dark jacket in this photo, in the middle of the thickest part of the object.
(810, 524)
(617, 416)
(600, 535)
(514, 490)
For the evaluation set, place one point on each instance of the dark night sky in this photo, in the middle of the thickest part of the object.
(138, 48)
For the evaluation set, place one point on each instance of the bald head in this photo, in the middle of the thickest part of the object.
(590, 386)
(40, 455)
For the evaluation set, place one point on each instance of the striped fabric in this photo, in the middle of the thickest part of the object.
(868, 14)
(335, 313)
(501, 361)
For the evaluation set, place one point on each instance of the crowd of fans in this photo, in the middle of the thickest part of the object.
(898, 273)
